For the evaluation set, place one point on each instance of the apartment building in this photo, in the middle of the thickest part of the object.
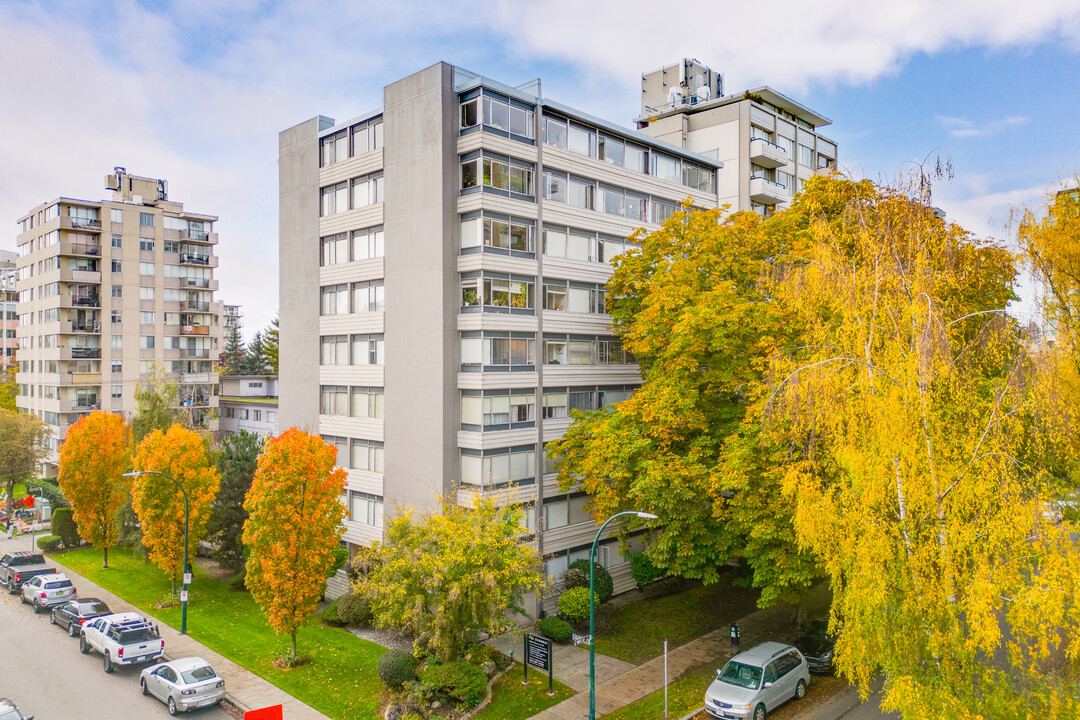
(109, 291)
(768, 143)
(232, 318)
(443, 261)
(9, 296)
(249, 403)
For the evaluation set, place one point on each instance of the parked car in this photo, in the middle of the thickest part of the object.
(122, 639)
(18, 567)
(816, 645)
(756, 682)
(183, 684)
(44, 591)
(8, 711)
(74, 613)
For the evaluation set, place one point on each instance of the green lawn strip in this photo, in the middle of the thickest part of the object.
(684, 695)
(341, 681)
(510, 700)
(636, 632)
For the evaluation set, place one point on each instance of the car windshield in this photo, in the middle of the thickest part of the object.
(198, 674)
(746, 676)
(95, 607)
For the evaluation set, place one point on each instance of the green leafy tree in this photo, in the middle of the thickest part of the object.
(255, 361)
(231, 360)
(270, 346)
(22, 448)
(237, 463)
(446, 573)
(9, 389)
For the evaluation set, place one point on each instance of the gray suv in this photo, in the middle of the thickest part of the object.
(756, 682)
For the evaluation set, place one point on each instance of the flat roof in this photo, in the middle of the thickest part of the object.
(764, 92)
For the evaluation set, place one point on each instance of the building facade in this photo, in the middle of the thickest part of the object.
(768, 143)
(232, 318)
(249, 402)
(110, 291)
(9, 318)
(443, 262)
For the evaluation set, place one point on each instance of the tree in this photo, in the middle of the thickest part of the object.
(236, 463)
(922, 432)
(694, 308)
(155, 401)
(293, 528)
(93, 459)
(270, 346)
(9, 389)
(449, 572)
(22, 448)
(232, 357)
(159, 504)
(255, 362)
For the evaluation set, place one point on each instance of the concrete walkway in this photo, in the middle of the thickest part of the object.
(571, 663)
(623, 683)
(245, 689)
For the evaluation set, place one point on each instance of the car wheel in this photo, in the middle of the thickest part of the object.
(172, 706)
(37, 607)
(108, 663)
(800, 690)
(52, 618)
(759, 712)
(84, 647)
(144, 690)
(71, 629)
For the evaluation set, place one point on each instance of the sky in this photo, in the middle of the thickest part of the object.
(196, 91)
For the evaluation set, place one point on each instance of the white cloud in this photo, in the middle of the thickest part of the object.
(959, 127)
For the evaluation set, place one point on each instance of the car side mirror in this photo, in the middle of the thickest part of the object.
(768, 683)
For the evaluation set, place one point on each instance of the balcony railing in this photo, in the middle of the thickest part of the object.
(87, 328)
(196, 306)
(83, 353)
(768, 192)
(83, 301)
(190, 353)
(80, 223)
(194, 259)
(80, 249)
(195, 282)
(201, 235)
(194, 330)
(767, 154)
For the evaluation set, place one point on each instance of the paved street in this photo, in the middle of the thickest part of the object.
(42, 670)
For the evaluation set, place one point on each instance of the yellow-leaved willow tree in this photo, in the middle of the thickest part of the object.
(923, 432)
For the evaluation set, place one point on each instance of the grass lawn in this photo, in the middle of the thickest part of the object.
(342, 680)
(636, 632)
(510, 700)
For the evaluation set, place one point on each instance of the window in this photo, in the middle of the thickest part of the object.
(581, 140)
(117, 392)
(367, 455)
(366, 136)
(334, 199)
(146, 293)
(368, 243)
(334, 400)
(624, 203)
(555, 131)
(117, 266)
(806, 156)
(115, 317)
(146, 318)
(117, 366)
(335, 249)
(824, 163)
(171, 246)
(334, 350)
(572, 350)
(365, 509)
(117, 241)
(497, 293)
(665, 167)
(501, 232)
(340, 444)
(499, 113)
(334, 148)
(582, 193)
(146, 245)
(497, 409)
(117, 215)
(230, 412)
(146, 342)
(366, 402)
(117, 291)
(513, 351)
(568, 297)
(567, 510)
(496, 468)
(367, 349)
(146, 268)
(554, 185)
(366, 190)
(661, 210)
(555, 405)
(146, 219)
(786, 143)
(368, 296)
(498, 173)
(117, 342)
(335, 299)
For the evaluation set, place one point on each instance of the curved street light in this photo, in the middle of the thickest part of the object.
(184, 569)
(592, 604)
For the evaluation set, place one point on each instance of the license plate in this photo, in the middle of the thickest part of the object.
(204, 703)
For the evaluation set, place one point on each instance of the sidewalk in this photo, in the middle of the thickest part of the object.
(245, 690)
(631, 684)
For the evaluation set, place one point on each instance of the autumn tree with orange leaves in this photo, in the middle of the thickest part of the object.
(93, 459)
(293, 528)
(159, 504)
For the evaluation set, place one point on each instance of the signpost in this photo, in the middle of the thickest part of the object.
(538, 654)
(581, 639)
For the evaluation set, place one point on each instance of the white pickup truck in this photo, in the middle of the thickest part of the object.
(122, 639)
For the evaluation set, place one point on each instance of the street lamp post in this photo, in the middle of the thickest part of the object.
(184, 569)
(592, 604)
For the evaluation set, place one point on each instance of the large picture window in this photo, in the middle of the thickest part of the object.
(494, 292)
(497, 232)
(498, 351)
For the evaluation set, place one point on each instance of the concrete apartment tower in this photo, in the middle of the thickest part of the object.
(109, 290)
(769, 144)
(9, 317)
(443, 261)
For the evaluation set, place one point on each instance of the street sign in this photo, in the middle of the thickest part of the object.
(581, 639)
(538, 652)
(183, 596)
(187, 578)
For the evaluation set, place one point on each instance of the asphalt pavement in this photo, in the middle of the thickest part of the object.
(42, 670)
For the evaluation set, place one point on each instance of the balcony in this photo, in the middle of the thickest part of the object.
(78, 223)
(766, 154)
(768, 192)
(198, 378)
(194, 330)
(81, 378)
(194, 259)
(82, 276)
(70, 248)
(83, 353)
(80, 301)
(191, 353)
(94, 328)
(203, 283)
(194, 306)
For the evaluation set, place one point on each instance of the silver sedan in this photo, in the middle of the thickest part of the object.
(183, 684)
